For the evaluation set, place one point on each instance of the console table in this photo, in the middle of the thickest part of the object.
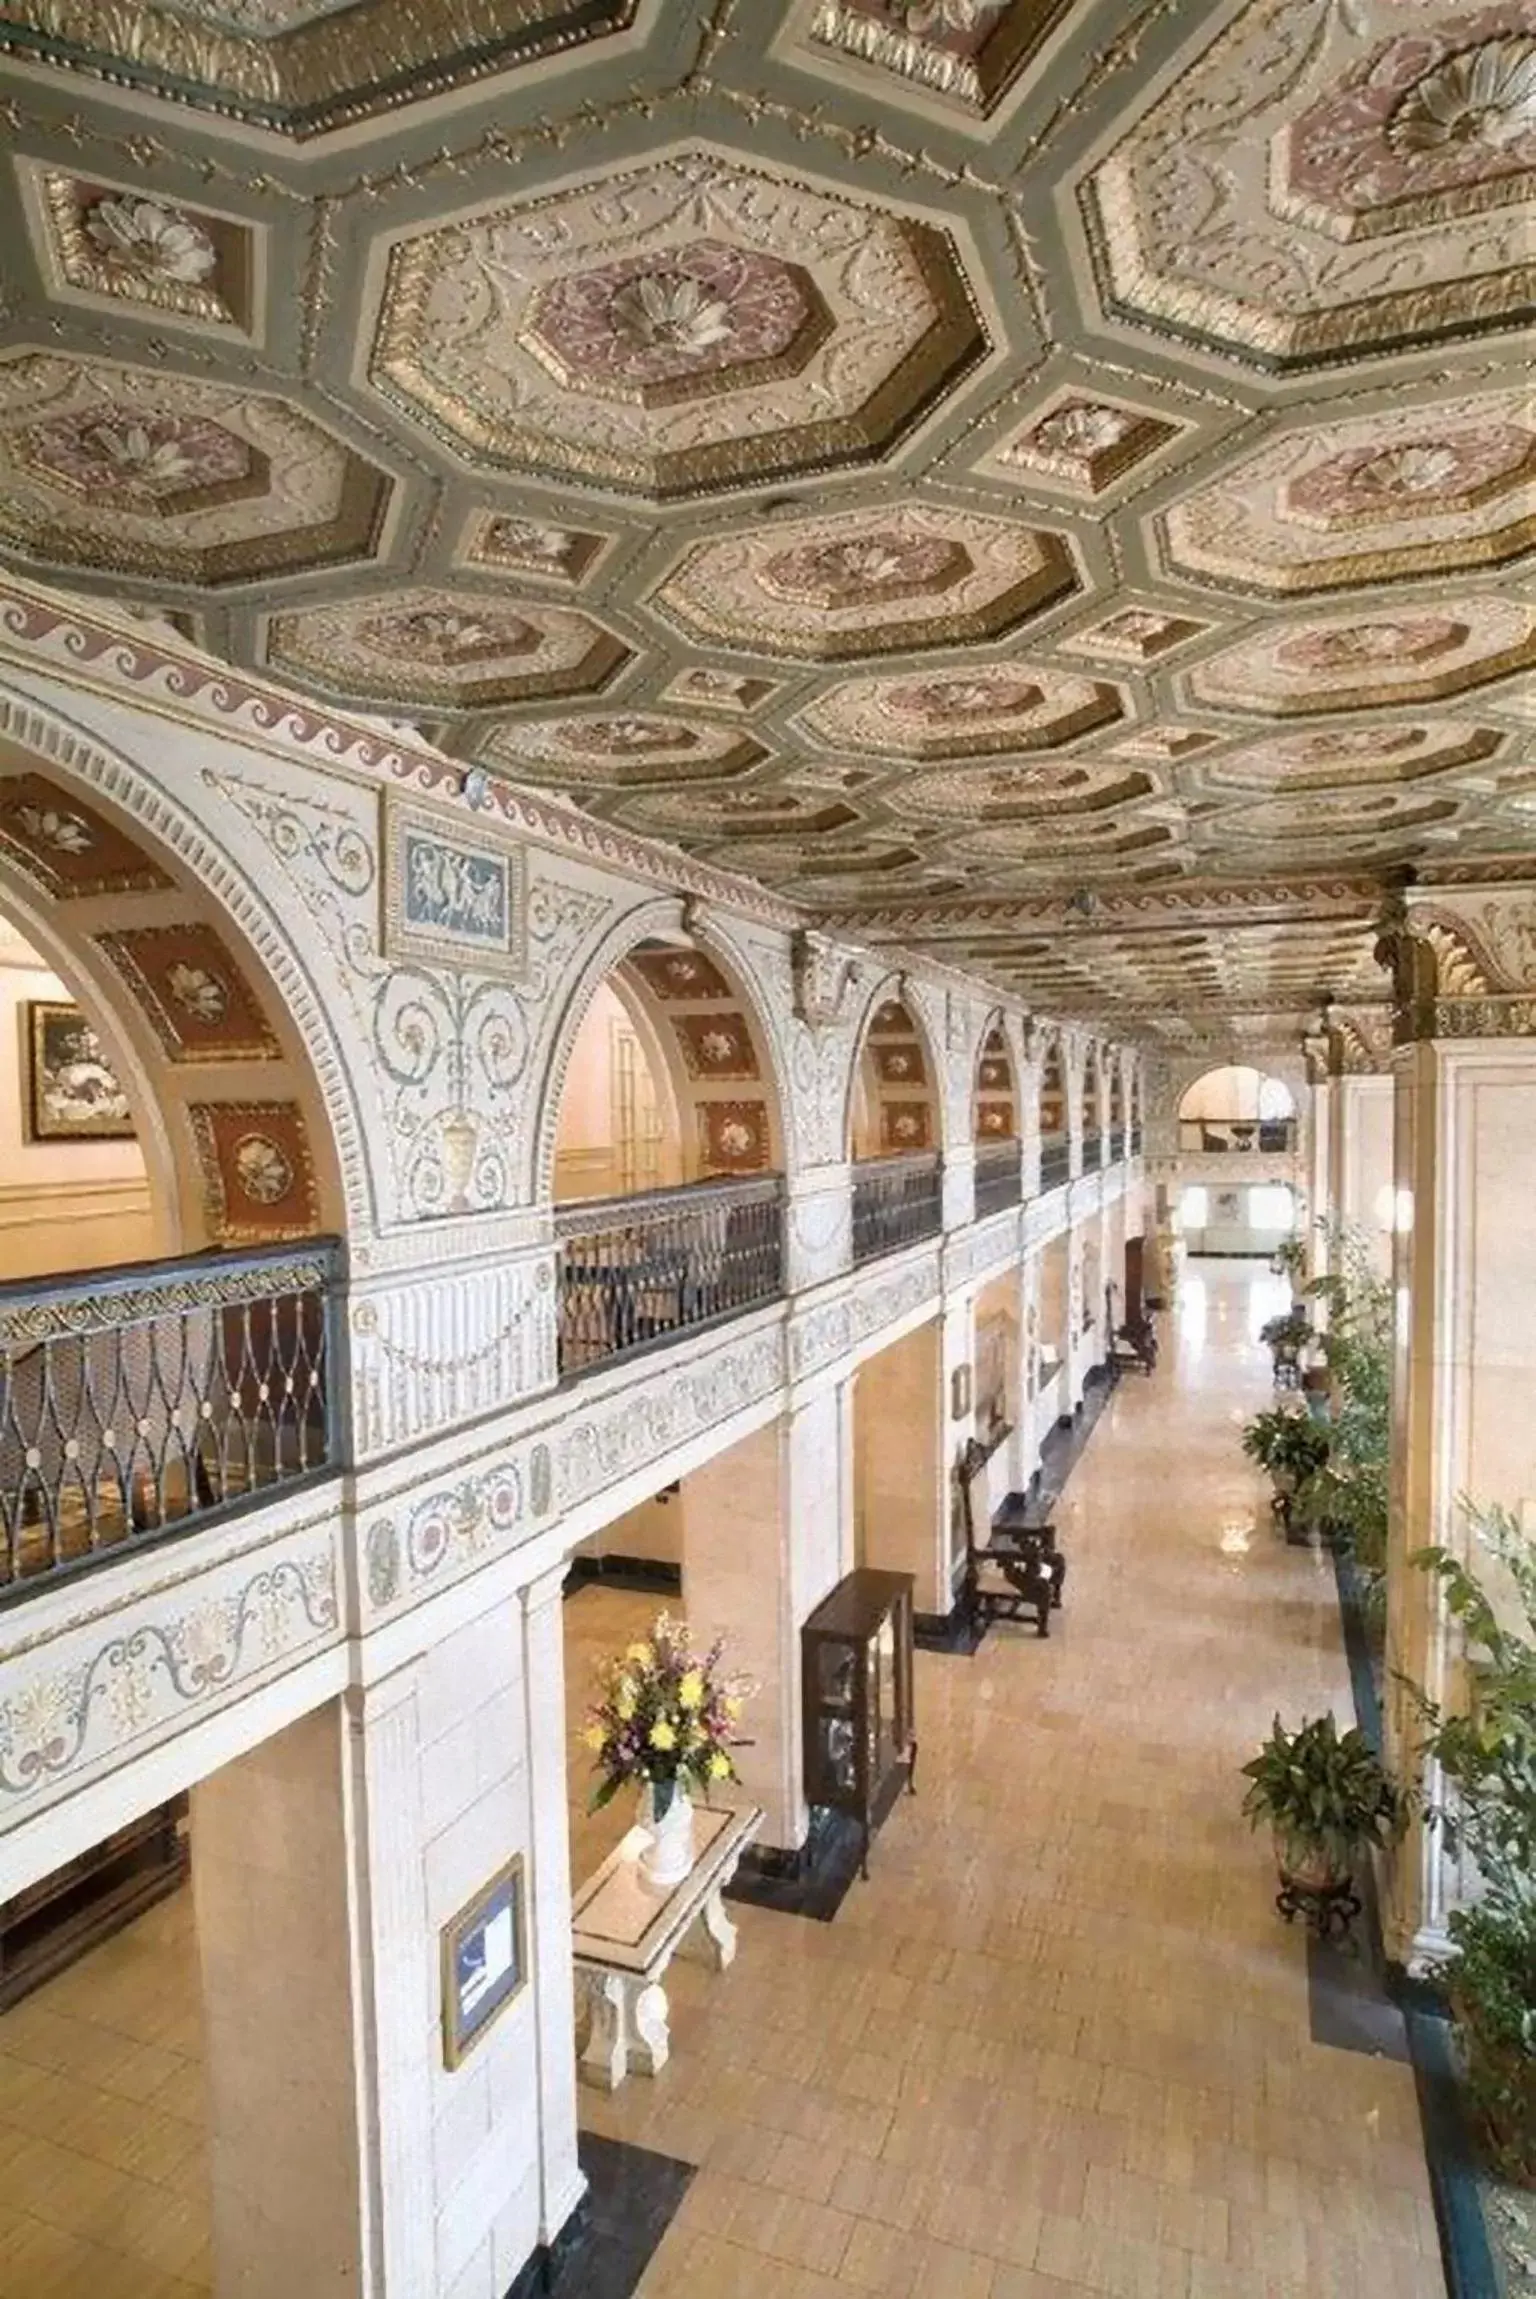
(625, 1934)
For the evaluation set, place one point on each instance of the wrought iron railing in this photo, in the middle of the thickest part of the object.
(897, 1201)
(1116, 1144)
(1240, 1137)
(142, 1400)
(1093, 1152)
(635, 1271)
(1055, 1161)
(999, 1182)
(1135, 1141)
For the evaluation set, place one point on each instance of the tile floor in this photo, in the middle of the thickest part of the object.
(1057, 2046)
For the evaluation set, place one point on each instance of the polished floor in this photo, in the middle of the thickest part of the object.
(1058, 2045)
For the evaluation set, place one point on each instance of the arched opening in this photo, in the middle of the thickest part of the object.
(1093, 1112)
(156, 1099)
(995, 1124)
(1055, 1147)
(667, 1156)
(1237, 1108)
(894, 1129)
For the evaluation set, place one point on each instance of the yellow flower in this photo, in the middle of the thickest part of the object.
(719, 1765)
(624, 1700)
(641, 1655)
(662, 1735)
(690, 1693)
(595, 1736)
(733, 1710)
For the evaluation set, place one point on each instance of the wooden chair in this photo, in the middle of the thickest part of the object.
(1018, 1573)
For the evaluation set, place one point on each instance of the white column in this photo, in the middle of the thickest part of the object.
(561, 2180)
(1465, 1273)
(1363, 1167)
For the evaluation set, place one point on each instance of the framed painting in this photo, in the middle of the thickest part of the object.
(71, 1092)
(452, 897)
(484, 1961)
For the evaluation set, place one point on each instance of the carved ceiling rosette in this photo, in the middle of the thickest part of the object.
(1414, 653)
(622, 750)
(906, 576)
(696, 322)
(1318, 184)
(961, 713)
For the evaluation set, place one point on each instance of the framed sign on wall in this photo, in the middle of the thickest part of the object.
(484, 1961)
(71, 1093)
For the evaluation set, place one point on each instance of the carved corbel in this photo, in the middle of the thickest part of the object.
(821, 975)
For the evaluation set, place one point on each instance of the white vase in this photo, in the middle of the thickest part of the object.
(668, 1856)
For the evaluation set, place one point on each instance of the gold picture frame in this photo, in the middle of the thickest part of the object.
(71, 1093)
(483, 1961)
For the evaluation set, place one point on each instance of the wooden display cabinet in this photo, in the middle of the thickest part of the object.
(856, 1668)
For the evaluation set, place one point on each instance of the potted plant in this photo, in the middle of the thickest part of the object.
(1289, 1259)
(1326, 1799)
(1294, 1448)
(1485, 1746)
(1285, 1337)
(665, 1723)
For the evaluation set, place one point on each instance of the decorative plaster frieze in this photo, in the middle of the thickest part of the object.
(90, 1696)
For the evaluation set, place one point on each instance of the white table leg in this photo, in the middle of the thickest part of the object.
(605, 2060)
(653, 2038)
(719, 1931)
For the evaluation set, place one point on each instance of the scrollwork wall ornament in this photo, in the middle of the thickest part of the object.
(1467, 963)
(823, 975)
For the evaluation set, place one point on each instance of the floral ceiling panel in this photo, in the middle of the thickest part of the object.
(1049, 482)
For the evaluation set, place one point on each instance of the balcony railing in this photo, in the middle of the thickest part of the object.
(140, 1401)
(1135, 1141)
(896, 1201)
(1093, 1152)
(1055, 1161)
(1239, 1137)
(635, 1271)
(999, 1182)
(1116, 1144)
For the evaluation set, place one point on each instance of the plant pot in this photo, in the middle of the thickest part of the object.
(668, 1856)
(1306, 1869)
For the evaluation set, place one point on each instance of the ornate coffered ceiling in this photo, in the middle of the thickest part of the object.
(1050, 481)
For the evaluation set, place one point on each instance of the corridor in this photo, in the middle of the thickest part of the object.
(1057, 2046)
(1060, 2044)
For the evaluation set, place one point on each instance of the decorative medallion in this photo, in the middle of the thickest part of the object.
(258, 1178)
(953, 714)
(446, 650)
(544, 549)
(733, 1136)
(1083, 442)
(453, 896)
(139, 471)
(620, 751)
(1355, 755)
(905, 1126)
(969, 52)
(866, 582)
(1352, 663)
(715, 1045)
(65, 848)
(302, 67)
(708, 689)
(1422, 490)
(899, 1065)
(1295, 200)
(1134, 635)
(111, 245)
(193, 992)
(694, 323)
(1014, 792)
(680, 976)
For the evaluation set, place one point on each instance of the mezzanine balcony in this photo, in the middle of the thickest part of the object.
(639, 1271)
(999, 1181)
(897, 1201)
(143, 1401)
(1237, 1137)
(1055, 1161)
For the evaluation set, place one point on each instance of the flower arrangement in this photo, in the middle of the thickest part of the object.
(666, 1718)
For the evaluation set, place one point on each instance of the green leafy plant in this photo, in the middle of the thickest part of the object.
(1289, 1258)
(1324, 1794)
(1286, 1333)
(1485, 1746)
(1356, 1340)
(1287, 1442)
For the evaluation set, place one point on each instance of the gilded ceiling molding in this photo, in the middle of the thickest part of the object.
(1463, 963)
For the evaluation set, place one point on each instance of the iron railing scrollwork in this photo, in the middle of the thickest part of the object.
(897, 1201)
(1055, 1161)
(142, 1400)
(1116, 1144)
(1135, 1141)
(635, 1271)
(1093, 1152)
(999, 1181)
